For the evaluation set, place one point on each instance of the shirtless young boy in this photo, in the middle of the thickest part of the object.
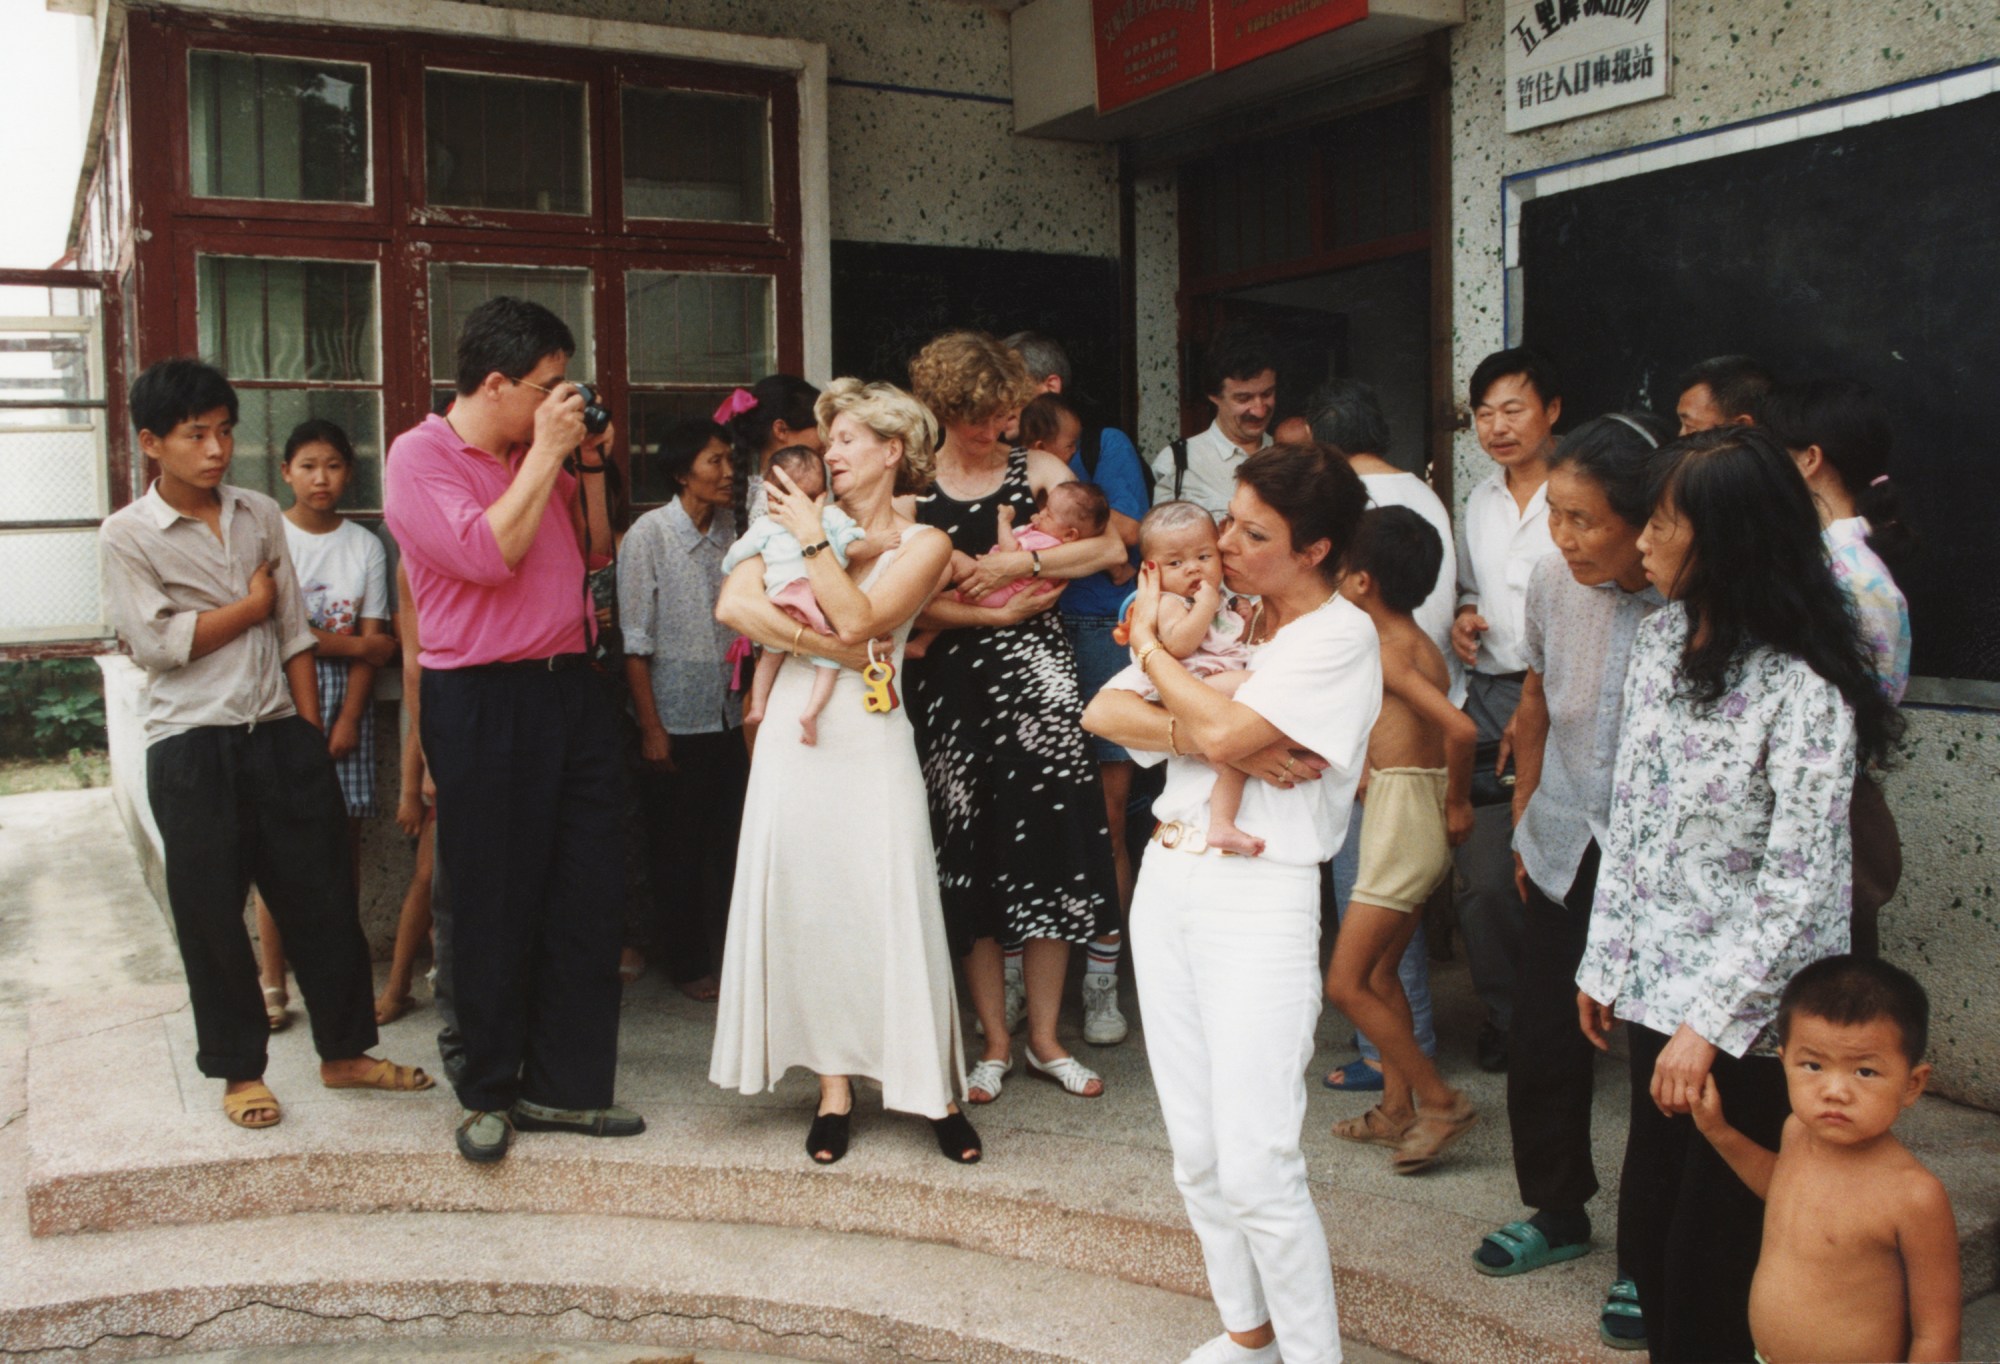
(1416, 806)
(1860, 1253)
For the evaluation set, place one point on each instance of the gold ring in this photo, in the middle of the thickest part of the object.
(1289, 760)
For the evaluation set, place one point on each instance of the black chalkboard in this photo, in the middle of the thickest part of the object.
(1871, 253)
(889, 299)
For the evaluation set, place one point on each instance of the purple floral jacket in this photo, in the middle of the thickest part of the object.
(1729, 865)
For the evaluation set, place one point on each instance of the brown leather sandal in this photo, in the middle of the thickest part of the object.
(386, 1075)
(1429, 1136)
(1374, 1128)
(257, 1098)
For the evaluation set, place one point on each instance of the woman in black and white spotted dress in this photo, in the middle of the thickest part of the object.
(1022, 847)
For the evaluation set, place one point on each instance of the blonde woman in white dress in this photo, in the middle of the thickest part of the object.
(836, 958)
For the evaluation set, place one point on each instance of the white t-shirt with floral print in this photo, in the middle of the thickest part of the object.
(1729, 865)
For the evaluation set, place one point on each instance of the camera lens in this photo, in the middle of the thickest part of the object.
(595, 417)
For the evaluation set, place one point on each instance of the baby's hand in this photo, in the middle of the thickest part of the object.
(1708, 1119)
(1244, 607)
(1005, 516)
(1207, 597)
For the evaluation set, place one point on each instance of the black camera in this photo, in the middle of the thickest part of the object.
(595, 417)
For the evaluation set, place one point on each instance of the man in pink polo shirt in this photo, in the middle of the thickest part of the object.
(520, 738)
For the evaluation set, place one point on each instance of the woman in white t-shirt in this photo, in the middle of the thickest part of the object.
(343, 573)
(1226, 949)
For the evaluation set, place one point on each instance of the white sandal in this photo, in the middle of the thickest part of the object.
(1072, 1074)
(985, 1078)
(275, 1013)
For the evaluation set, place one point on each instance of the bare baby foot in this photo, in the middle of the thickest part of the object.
(1229, 838)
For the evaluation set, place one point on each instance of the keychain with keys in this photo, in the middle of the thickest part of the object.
(878, 679)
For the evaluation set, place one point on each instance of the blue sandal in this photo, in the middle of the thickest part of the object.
(1621, 1325)
(1356, 1077)
(1526, 1248)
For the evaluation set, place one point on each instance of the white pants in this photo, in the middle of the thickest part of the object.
(1226, 954)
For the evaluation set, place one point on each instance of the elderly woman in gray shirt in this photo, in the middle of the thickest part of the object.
(690, 724)
(1584, 604)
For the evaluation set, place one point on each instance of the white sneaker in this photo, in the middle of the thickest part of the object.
(1103, 1024)
(1223, 1350)
(1016, 1003)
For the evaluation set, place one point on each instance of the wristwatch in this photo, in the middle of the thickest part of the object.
(811, 550)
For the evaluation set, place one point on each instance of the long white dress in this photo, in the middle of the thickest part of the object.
(836, 958)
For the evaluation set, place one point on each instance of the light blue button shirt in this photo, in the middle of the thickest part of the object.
(1579, 639)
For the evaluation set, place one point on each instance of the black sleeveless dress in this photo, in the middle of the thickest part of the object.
(1016, 810)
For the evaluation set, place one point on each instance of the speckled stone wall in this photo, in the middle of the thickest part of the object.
(1157, 270)
(1733, 61)
(924, 169)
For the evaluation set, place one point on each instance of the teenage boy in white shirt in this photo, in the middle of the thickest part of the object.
(1239, 375)
(1504, 530)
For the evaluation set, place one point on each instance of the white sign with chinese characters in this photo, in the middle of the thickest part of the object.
(1566, 58)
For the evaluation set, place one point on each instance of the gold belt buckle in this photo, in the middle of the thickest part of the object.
(1169, 834)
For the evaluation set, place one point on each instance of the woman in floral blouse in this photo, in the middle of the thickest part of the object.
(1748, 702)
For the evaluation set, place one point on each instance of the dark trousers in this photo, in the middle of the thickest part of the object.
(237, 804)
(451, 1044)
(1489, 908)
(1550, 1060)
(693, 815)
(1688, 1229)
(530, 790)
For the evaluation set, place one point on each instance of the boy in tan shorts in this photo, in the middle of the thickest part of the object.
(1860, 1253)
(1416, 806)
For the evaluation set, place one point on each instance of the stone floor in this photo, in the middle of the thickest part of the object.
(141, 1194)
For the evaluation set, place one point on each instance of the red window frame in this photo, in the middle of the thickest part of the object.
(402, 233)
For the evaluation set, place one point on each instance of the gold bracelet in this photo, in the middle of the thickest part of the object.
(797, 635)
(1147, 653)
(1173, 743)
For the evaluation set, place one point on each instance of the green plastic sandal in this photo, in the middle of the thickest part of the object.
(1621, 1310)
(1526, 1248)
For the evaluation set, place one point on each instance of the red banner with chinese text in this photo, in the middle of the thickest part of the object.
(1248, 29)
(1146, 46)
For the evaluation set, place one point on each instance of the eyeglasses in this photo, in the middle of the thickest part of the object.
(537, 387)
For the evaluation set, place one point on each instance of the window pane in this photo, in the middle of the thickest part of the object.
(457, 289)
(288, 319)
(653, 415)
(505, 142)
(49, 584)
(277, 128)
(699, 329)
(268, 416)
(53, 471)
(697, 156)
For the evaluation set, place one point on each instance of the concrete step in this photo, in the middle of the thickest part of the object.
(1068, 1187)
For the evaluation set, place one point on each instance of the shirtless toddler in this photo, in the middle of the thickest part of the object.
(1860, 1253)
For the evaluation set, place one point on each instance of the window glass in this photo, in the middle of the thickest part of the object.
(688, 329)
(277, 128)
(697, 156)
(288, 319)
(505, 142)
(286, 331)
(456, 289)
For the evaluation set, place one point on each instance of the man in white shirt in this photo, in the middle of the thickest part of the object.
(1240, 378)
(1502, 533)
(1721, 391)
(1347, 414)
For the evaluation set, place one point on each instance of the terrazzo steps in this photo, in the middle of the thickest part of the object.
(161, 1218)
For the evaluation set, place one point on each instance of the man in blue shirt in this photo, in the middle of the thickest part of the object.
(1090, 608)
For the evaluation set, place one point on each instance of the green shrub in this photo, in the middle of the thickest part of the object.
(49, 707)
